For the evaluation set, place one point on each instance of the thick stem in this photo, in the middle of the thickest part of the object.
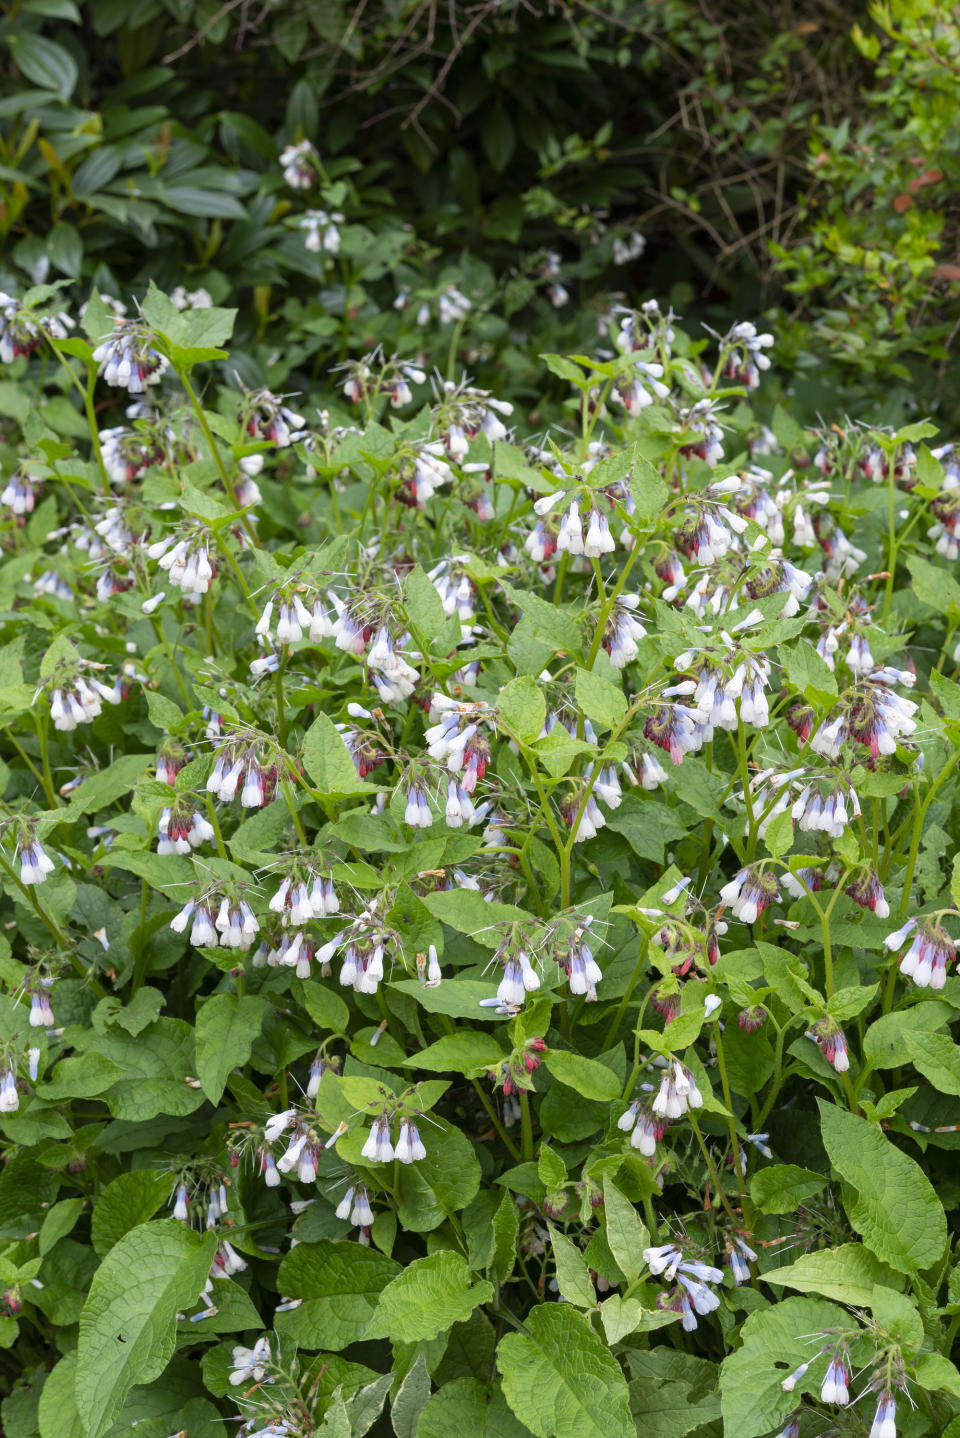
(526, 1128)
(628, 994)
(919, 817)
(505, 1138)
(732, 1126)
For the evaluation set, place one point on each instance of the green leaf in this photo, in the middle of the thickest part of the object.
(57, 1411)
(428, 1297)
(897, 1315)
(934, 584)
(897, 1212)
(365, 1405)
(523, 708)
(806, 670)
(848, 1002)
(466, 911)
(327, 761)
(466, 1052)
(550, 622)
(783, 1187)
(325, 1007)
(647, 824)
(164, 714)
(499, 138)
(774, 1342)
(467, 1407)
(847, 1274)
(620, 1316)
(422, 603)
(410, 1400)
(226, 1028)
(778, 836)
(937, 1057)
(336, 1420)
(561, 1380)
(648, 491)
(340, 1284)
(99, 790)
(627, 1235)
(128, 1324)
(933, 1371)
(235, 1312)
(162, 315)
(506, 1227)
(565, 369)
(665, 1409)
(885, 1042)
(921, 429)
(589, 1078)
(788, 432)
(573, 1275)
(601, 701)
(509, 462)
(947, 693)
(551, 1169)
(457, 998)
(212, 326)
(440, 1184)
(44, 62)
(58, 1222)
(558, 749)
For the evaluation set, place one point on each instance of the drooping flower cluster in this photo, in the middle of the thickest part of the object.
(930, 951)
(691, 1297)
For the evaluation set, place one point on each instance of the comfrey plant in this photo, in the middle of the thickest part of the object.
(480, 908)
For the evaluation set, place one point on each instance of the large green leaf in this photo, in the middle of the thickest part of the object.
(627, 1234)
(847, 1274)
(783, 1187)
(573, 1275)
(327, 761)
(429, 1296)
(339, 1283)
(129, 1321)
(897, 1212)
(775, 1341)
(561, 1379)
(523, 708)
(590, 1079)
(226, 1028)
(467, 1407)
(465, 1052)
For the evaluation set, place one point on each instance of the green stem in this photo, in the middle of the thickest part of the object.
(297, 822)
(492, 1115)
(892, 544)
(628, 995)
(25, 757)
(281, 713)
(218, 836)
(776, 1080)
(42, 723)
(526, 1128)
(215, 454)
(919, 817)
(711, 1168)
(732, 1126)
(744, 772)
(86, 394)
(59, 936)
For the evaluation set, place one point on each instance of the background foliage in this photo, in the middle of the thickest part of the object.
(471, 145)
(371, 524)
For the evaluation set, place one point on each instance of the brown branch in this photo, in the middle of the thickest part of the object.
(203, 32)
